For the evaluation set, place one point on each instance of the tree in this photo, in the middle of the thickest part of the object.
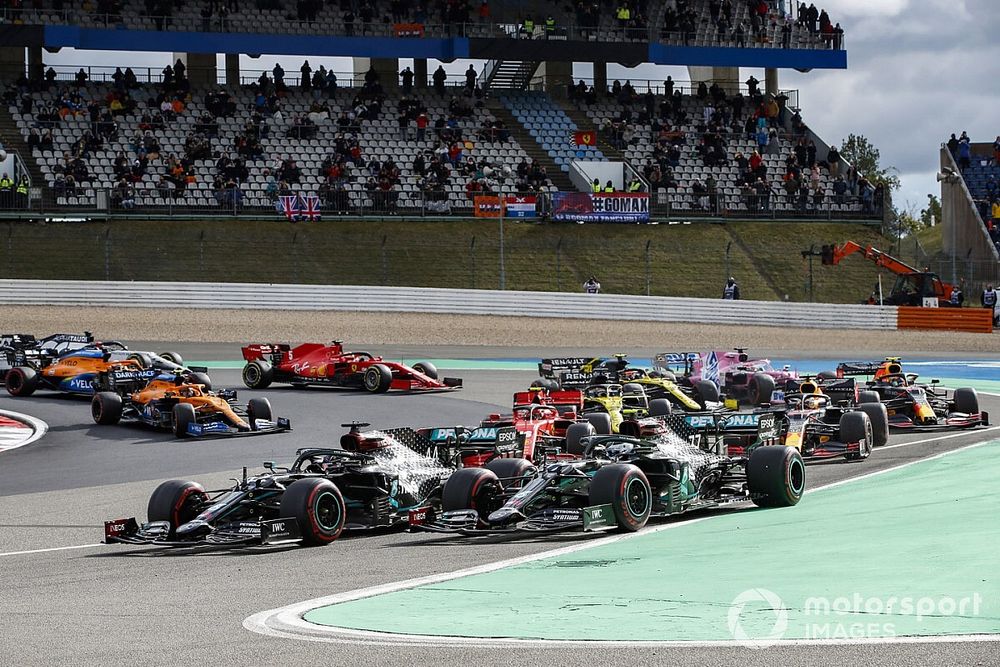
(863, 155)
(931, 215)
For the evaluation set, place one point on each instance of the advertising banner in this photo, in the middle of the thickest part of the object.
(486, 206)
(604, 207)
(520, 206)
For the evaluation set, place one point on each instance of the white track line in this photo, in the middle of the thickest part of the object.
(288, 622)
(41, 551)
(39, 427)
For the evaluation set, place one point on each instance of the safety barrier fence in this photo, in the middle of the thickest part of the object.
(435, 300)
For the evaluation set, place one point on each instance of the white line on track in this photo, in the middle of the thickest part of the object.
(39, 427)
(42, 551)
(288, 622)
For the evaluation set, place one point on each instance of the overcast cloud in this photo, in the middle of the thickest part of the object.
(917, 71)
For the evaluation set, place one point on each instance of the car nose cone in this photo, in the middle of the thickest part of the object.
(504, 516)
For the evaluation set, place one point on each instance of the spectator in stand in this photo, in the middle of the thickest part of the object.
(964, 152)
(439, 78)
(990, 299)
(407, 76)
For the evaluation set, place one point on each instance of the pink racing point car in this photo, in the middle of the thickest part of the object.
(745, 380)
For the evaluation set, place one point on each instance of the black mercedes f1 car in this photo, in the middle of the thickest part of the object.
(373, 481)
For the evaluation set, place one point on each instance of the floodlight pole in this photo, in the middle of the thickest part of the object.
(503, 269)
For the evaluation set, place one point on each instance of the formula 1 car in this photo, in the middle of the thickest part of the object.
(689, 395)
(177, 402)
(748, 381)
(811, 421)
(912, 405)
(619, 484)
(373, 481)
(318, 364)
(69, 363)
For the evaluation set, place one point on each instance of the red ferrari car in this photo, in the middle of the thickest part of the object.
(315, 363)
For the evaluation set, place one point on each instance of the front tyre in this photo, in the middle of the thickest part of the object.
(258, 408)
(176, 501)
(879, 418)
(427, 368)
(318, 507)
(966, 400)
(512, 473)
(776, 476)
(183, 414)
(626, 489)
(471, 489)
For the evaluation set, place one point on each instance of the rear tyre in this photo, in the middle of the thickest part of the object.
(21, 381)
(258, 374)
(183, 415)
(706, 392)
(626, 489)
(471, 489)
(966, 400)
(176, 501)
(377, 378)
(601, 422)
(854, 427)
(575, 435)
(201, 378)
(106, 408)
(318, 508)
(761, 388)
(513, 473)
(142, 359)
(827, 375)
(427, 369)
(660, 407)
(776, 476)
(258, 408)
(173, 358)
(868, 396)
(879, 418)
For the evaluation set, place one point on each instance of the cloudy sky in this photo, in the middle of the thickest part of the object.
(917, 71)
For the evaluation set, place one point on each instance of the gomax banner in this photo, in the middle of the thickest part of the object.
(486, 206)
(603, 207)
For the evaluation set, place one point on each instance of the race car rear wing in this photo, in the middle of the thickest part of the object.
(265, 351)
(561, 399)
(849, 368)
(680, 363)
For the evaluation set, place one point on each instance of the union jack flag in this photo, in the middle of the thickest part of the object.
(310, 208)
(289, 205)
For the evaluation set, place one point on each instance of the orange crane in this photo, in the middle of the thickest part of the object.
(912, 285)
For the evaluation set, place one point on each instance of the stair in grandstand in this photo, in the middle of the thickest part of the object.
(534, 150)
(509, 74)
(13, 142)
(586, 124)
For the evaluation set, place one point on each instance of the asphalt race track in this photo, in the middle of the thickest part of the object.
(68, 599)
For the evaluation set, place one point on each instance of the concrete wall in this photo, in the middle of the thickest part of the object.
(961, 221)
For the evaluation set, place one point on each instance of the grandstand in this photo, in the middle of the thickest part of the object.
(970, 191)
(165, 143)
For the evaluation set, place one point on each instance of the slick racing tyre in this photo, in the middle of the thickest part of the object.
(258, 408)
(868, 396)
(660, 407)
(761, 388)
(776, 476)
(318, 507)
(575, 434)
(142, 359)
(176, 501)
(827, 375)
(705, 392)
(966, 400)
(626, 489)
(600, 421)
(106, 408)
(21, 381)
(183, 415)
(545, 383)
(879, 418)
(471, 489)
(173, 358)
(855, 427)
(377, 378)
(513, 473)
(427, 368)
(201, 378)
(258, 374)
